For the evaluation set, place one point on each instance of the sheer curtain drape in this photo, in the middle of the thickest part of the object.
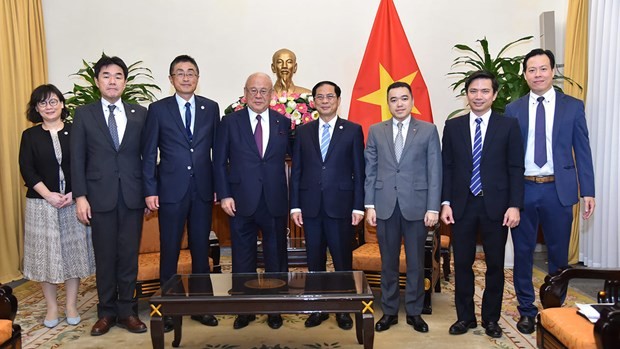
(600, 244)
(23, 66)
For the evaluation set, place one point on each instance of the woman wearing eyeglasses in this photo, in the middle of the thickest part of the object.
(57, 247)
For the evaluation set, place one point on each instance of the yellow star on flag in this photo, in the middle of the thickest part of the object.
(379, 97)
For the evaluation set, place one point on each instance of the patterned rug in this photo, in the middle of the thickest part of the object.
(292, 335)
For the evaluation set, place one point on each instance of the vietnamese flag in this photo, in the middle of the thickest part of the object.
(388, 58)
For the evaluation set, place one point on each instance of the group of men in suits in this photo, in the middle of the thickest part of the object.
(397, 179)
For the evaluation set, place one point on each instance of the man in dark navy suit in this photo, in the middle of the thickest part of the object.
(558, 170)
(482, 192)
(250, 181)
(182, 127)
(327, 187)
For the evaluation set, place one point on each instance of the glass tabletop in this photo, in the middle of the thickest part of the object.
(293, 284)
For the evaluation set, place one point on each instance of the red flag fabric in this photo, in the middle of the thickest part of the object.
(388, 58)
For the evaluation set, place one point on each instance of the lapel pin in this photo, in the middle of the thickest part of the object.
(341, 127)
(202, 107)
(66, 133)
(133, 110)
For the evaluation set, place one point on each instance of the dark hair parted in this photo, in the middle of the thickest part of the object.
(183, 58)
(326, 82)
(482, 74)
(538, 52)
(40, 94)
(399, 84)
(105, 61)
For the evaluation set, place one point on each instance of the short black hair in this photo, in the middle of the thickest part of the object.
(399, 84)
(326, 82)
(183, 58)
(105, 61)
(538, 52)
(40, 94)
(482, 74)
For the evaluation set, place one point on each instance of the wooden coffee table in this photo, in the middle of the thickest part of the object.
(263, 293)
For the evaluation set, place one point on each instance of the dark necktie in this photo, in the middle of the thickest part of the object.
(476, 184)
(540, 138)
(112, 126)
(258, 136)
(188, 119)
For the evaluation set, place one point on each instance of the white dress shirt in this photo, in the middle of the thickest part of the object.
(119, 116)
(264, 117)
(531, 169)
(181, 102)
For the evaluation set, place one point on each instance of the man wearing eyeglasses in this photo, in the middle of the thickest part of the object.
(250, 181)
(327, 187)
(182, 127)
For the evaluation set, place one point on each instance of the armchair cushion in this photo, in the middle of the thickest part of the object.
(568, 327)
(6, 330)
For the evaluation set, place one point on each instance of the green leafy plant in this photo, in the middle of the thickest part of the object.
(507, 71)
(135, 92)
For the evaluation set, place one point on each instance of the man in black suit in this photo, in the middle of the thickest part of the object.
(327, 187)
(182, 127)
(106, 172)
(482, 191)
(250, 181)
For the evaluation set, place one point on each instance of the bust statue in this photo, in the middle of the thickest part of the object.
(284, 65)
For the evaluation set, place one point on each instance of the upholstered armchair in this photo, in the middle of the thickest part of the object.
(562, 327)
(148, 257)
(368, 258)
(10, 333)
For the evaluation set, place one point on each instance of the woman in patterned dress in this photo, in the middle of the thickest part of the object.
(57, 248)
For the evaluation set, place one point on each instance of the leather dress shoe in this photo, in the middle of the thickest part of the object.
(243, 320)
(417, 322)
(168, 324)
(385, 322)
(274, 321)
(526, 324)
(344, 321)
(207, 320)
(492, 329)
(132, 324)
(102, 326)
(461, 327)
(315, 319)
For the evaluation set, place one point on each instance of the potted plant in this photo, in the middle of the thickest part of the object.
(134, 92)
(507, 71)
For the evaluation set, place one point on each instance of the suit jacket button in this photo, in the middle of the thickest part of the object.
(189, 167)
(397, 171)
(191, 150)
(395, 188)
(323, 167)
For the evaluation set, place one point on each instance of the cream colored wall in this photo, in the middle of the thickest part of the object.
(232, 38)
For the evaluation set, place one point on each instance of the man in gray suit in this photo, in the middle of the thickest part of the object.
(403, 190)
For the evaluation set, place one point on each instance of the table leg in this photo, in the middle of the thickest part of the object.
(178, 330)
(359, 330)
(369, 330)
(157, 332)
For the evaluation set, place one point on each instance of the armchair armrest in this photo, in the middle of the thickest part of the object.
(554, 287)
(8, 303)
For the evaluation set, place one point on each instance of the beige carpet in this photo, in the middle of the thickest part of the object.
(293, 334)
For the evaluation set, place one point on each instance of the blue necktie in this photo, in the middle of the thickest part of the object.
(540, 138)
(324, 141)
(112, 126)
(188, 119)
(476, 184)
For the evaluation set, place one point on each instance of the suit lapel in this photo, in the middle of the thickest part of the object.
(274, 126)
(200, 123)
(173, 109)
(316, 142)
(560, 108)
(245, 129)
(97, 111)
(490, 134)
(336, 136)
(523, 115)
(389, 136)
(411, 133)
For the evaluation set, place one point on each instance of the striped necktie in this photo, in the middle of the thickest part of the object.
(399, 142)
(476, 183)
(324, 141)
(112, 126)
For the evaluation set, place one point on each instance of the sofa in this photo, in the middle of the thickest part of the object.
(368, 259)
(10, 333)
(148, 259)
(563, 327)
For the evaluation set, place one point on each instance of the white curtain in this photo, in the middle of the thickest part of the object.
(600, 242)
